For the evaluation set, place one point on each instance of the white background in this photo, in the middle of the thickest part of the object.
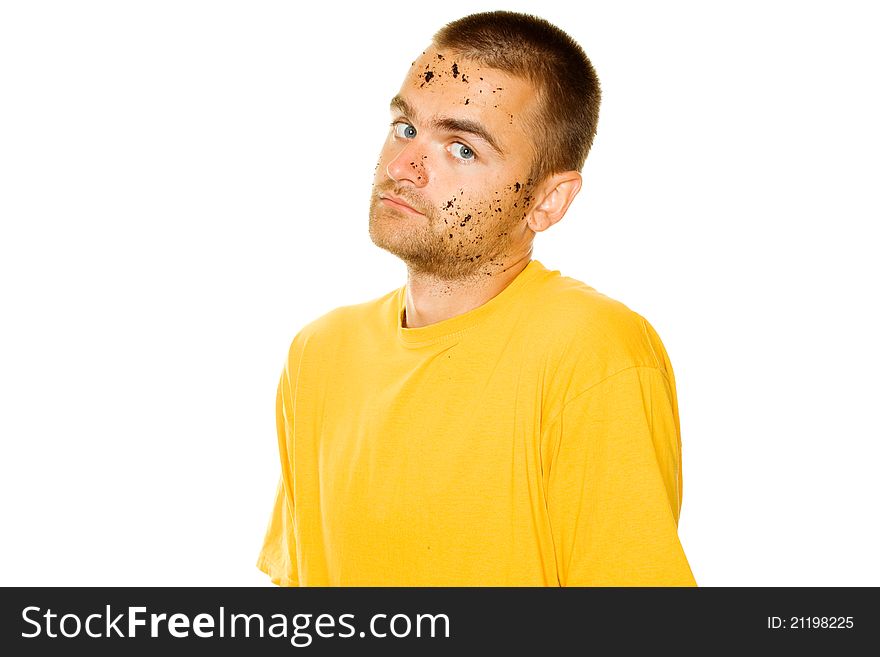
(183, 185)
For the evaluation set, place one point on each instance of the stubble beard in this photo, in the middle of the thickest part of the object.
(414, 240)
(428, 251)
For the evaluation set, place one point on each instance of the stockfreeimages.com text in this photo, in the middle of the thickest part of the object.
(204, 625)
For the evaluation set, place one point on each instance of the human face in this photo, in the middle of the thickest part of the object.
(459, 155)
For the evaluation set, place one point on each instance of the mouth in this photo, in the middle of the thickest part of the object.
(398, 204)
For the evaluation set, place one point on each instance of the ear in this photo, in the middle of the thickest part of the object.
(552, 198)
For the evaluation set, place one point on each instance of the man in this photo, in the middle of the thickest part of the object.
(491, 422)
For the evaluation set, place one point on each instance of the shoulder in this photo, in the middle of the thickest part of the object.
(336, 325)
(591, 335)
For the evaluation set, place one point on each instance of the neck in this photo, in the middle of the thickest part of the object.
(430, 299)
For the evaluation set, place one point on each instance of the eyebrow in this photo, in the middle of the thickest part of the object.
(451, 124)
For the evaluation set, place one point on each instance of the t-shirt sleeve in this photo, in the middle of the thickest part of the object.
(614, 485)
(278, 556)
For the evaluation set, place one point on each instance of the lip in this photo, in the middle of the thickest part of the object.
(395, 202)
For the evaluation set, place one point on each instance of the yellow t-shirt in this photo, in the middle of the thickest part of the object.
(532, 441)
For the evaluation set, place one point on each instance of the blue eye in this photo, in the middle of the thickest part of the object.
(403, 129)
(464, 152)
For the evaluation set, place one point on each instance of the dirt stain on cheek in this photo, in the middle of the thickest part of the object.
(475, 230)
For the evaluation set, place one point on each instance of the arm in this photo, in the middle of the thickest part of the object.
(614, 485)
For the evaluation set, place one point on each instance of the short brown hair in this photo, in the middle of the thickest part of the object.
(534, 49)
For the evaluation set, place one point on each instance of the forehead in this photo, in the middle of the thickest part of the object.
(442, 83)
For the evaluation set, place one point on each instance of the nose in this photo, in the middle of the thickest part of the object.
(410, 164)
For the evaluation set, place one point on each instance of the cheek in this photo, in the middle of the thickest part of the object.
(467, 217)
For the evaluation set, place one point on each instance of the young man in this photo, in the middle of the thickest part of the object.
(491, 422)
